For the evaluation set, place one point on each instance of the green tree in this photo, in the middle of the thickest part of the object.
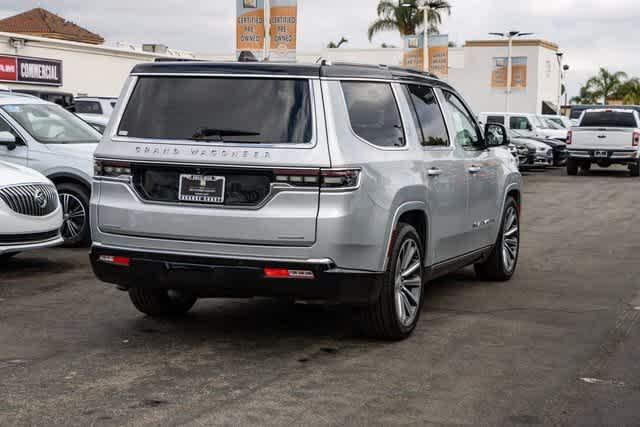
(606, 84)
(334, 45)
(405, 16)
(629, 92)
(586, 96)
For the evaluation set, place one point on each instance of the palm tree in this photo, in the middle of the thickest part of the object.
(630, 92)
(395, 16)
(334, 45)
(586, 96)
(606, 84)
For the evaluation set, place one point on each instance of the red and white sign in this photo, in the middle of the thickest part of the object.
(8, 68)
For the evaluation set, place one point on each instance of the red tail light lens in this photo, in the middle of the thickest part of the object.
(340, 178)
(285, 273)
(636, 139)
(569, 137)
(115, 260)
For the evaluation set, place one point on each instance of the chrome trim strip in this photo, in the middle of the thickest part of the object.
(201, 255)
(230, 75)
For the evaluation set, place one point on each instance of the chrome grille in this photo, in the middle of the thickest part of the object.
(29, 199)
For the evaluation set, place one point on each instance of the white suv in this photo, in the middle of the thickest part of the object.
(53, 141)
(96, 106)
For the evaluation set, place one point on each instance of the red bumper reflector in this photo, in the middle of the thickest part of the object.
(288, 274)
(116, 260)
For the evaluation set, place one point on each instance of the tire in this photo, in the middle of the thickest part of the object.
(160, 302)
(634, 169)
(586, 166)
(75, 201)
(500, 266)
(572, 167)
(395, 314)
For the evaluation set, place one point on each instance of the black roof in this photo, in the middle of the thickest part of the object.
(336, 70)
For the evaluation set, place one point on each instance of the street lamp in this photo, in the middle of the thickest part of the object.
(425, 48)
(510, 36)
(559, 55)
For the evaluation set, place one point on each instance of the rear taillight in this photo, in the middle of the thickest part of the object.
(341, 179)
(111, 169)
(636, 139)
(569, 137)
(285, 273)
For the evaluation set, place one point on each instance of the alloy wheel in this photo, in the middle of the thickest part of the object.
(74, 216)
(408, 282)
(510, 239)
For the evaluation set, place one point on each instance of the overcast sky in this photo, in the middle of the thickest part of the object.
(592, 33)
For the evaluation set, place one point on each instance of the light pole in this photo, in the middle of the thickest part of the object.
(510, 36)
(559, 55)
(425, 48)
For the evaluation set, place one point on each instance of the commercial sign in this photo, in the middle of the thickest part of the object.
(250, 29)
(439, 55)
(518, 73)
(21, 69)
(413, 56)
(283, 20)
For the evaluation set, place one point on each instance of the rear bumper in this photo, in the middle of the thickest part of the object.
(211, 277)
(613, 156)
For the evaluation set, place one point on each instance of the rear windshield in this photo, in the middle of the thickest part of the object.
(250, 110)
(609, 119)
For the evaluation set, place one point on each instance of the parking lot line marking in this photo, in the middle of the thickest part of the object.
(603, 382)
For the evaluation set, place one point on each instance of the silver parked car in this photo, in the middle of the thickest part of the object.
(340, 183)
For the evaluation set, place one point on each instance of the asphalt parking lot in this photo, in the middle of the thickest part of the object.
(558, 345)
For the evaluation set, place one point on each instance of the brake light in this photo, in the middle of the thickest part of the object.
(636, 139)
(285, 273)
(115, 260)
(342, 179)
(569, 137)
(111, 169)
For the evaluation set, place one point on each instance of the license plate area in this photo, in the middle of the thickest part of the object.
(209, 189)
(600, 154)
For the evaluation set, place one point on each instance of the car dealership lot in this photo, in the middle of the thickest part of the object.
(560, 343)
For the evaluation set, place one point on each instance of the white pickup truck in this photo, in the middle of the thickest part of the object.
(605, 137)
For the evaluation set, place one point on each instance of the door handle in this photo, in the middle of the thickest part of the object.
(434, 172)
(474, 169)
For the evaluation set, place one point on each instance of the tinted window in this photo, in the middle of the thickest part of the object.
(495, 119)
(374, 113)
(609, 119)
(88, 107)
(519, 123)
(464, 126)
(219, 109)
(432, 128)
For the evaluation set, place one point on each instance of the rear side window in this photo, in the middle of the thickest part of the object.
(433, 130)
(88, 107)
(250, 110)
(519, 123)
(374, 113)
(495, 119)
(609, 119)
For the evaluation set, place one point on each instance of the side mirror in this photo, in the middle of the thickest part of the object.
(9, 140)
(495, 135)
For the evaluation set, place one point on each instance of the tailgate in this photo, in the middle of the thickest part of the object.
(603, 138)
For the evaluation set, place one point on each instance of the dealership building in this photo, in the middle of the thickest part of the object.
(42, 51)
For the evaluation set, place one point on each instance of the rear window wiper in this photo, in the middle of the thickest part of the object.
(213, 134)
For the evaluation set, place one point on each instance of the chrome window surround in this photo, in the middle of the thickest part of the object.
(113, 135)
(403, 119)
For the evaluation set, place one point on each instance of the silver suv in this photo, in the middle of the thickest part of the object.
(339, 183)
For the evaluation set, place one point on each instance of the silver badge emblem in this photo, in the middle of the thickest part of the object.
(40, 198)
